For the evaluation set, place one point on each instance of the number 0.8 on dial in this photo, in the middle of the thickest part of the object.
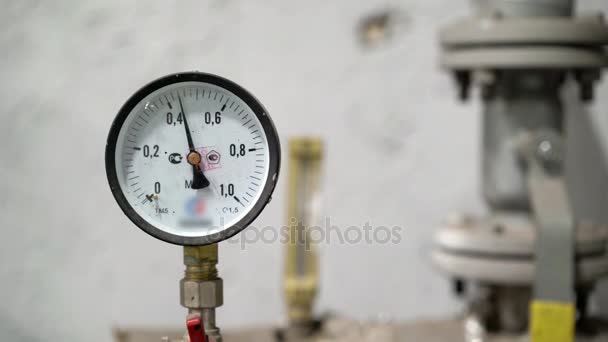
(192, 158)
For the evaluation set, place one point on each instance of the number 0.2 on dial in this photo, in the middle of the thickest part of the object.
(192, 158)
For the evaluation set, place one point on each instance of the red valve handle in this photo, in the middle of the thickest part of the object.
(196, 331)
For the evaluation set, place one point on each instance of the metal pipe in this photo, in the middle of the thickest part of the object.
(201, 290)
(519, 102)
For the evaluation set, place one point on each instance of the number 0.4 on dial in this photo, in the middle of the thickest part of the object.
(192, 158)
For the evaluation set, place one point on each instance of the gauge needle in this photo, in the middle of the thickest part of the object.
(199, 181)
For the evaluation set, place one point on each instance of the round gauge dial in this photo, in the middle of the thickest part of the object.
(192, 158)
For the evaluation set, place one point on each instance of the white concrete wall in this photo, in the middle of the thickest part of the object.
(400, 151)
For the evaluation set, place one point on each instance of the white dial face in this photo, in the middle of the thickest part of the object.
(192, 159)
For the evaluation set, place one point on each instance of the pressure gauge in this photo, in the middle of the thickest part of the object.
(192, 158)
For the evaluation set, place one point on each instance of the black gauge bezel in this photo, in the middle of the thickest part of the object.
(274, 155)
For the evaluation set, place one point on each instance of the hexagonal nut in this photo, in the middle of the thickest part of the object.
(201, 293)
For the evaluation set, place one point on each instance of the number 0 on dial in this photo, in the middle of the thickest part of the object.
(192, 158)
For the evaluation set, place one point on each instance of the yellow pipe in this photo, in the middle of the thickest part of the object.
(301, 267)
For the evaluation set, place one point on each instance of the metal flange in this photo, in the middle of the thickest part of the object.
(589, 30)
(500, 249)
(524, 57)
(525, 43)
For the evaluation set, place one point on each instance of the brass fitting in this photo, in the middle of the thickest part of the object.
(300, 293)
(201, 262)
(201, 290)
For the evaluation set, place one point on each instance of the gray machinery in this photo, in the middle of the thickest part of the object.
(529, 265)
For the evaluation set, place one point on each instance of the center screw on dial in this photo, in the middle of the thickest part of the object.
(194, 158)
